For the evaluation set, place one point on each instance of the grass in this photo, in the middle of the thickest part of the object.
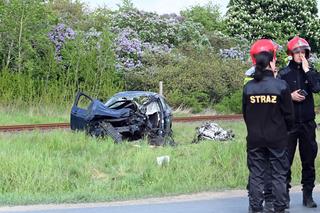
(62, 166)
(10, 115)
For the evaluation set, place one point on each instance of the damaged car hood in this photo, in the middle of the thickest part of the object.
(99, 109)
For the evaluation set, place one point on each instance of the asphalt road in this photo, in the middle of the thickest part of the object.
(210, 203)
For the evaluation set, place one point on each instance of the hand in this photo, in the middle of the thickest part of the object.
(305, 63)
(297, 97)
(275, 72)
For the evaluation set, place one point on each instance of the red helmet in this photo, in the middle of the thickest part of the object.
(263, 45)
(297, 44)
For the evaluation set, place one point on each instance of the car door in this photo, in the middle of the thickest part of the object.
(79, 111)
(167, 115)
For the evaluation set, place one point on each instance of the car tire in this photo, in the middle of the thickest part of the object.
(110, 131)
(103, 129)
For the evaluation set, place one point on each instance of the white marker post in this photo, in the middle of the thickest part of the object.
(161, 88)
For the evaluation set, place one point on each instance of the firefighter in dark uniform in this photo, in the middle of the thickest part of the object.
(303, 81)
(268, 197)
(268, 114)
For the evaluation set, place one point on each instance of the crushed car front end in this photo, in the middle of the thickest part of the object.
(129, 115)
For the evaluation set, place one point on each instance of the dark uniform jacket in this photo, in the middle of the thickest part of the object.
(268, 112)
(294, 75)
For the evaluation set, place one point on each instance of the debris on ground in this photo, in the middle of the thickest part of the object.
(163, 160)
(212, 131)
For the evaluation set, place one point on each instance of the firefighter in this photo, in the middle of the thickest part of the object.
(268, 197)
(303, 81)
(268, 114)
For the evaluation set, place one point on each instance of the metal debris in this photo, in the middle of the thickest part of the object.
(212, 131)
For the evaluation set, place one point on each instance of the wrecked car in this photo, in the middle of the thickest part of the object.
(129, 115)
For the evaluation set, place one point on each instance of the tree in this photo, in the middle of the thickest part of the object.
(126, 5)
(72, 13)
(209, 16)
(23, 29)
(278, 20)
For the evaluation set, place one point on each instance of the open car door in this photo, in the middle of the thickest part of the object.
(167, 116)
(79, 111)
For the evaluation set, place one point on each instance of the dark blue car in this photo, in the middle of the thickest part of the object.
(129, 115)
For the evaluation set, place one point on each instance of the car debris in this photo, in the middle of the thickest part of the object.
(163, 160)
(212, 131)
(129, 115)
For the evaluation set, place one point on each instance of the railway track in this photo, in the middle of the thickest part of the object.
(30, 127)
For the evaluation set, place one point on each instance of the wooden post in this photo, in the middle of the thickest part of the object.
(161, 88)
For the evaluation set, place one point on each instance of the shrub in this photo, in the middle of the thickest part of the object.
(41, 61)
(89, 64)
(231, 103)
(139, 33)
(196, 79)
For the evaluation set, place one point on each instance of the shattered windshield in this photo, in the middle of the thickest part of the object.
(118, 100)
(115, 102)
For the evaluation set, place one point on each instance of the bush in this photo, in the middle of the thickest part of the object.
(139, 33)
(86, 65)
(316, 100)
(195, 79)
(230, 104)
(41, 61)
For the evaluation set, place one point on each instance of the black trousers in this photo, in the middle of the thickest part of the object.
(305, 133)
(267, 191)
(257, 160)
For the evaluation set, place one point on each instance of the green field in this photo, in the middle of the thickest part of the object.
(63, 166)
(33, 115)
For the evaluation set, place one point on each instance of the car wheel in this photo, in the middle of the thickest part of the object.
(110, 131)
(102, 129)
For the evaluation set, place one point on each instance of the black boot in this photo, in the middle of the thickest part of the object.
(282, 211)
(287, 199)
(308, 200)
(253, 211)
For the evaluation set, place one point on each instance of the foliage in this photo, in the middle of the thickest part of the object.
(130, 49)
(23, 29)
(208, 15)
(89, 62)
(194, 79)
(32, 43)
(59, 36)
(231, 103)
(139, 32)
(51, 49)
(69, 12)
(278, 20)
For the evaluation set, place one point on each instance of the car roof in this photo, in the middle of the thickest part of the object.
(134, 94)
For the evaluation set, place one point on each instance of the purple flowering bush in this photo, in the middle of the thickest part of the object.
(130, 49)
(233, 53)
(150, 27)
(139, 33)
(58, 36)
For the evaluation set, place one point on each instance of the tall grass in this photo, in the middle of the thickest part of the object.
(26, 114)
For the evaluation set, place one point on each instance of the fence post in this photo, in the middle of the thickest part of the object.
(161, 88)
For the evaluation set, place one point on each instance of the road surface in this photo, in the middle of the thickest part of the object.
(215, 202)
